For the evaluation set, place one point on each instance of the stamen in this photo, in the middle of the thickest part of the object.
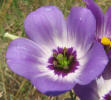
(65, 50)
(66, 67)
(54, 54)
(71, 58)
(105, 41)
(55, 63)
(63, 61)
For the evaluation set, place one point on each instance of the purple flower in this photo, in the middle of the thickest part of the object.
(59, 53)
(103, 22)
(99, 89)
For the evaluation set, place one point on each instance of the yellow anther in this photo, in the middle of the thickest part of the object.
(110, 44)
(105, 41)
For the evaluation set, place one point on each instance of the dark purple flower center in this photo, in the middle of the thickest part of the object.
(63, 61)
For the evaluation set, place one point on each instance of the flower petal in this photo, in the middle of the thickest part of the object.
(45, 25)
(97, 90)
(99, 15)
(108, 22)
(87, 92)
(23, 57)
(81, 28)
(49, 86)
(103, 87)
(93, 64)
(107, 72)
(29, 60)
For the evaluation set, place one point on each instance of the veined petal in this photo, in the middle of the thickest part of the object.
(87, 92)
(99, 15)
(104, 88)
(108, 22)
(107, 71)
(23, 57)
(52, 85)
(97, 90)
(29, 60)
(45, 25)
(81, 29)
(93, 64)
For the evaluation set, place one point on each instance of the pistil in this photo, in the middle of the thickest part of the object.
(62, 60)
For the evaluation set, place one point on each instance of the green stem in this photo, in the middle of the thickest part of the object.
(73, 96)
(10, 36)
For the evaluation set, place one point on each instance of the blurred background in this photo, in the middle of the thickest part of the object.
(12, 15)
